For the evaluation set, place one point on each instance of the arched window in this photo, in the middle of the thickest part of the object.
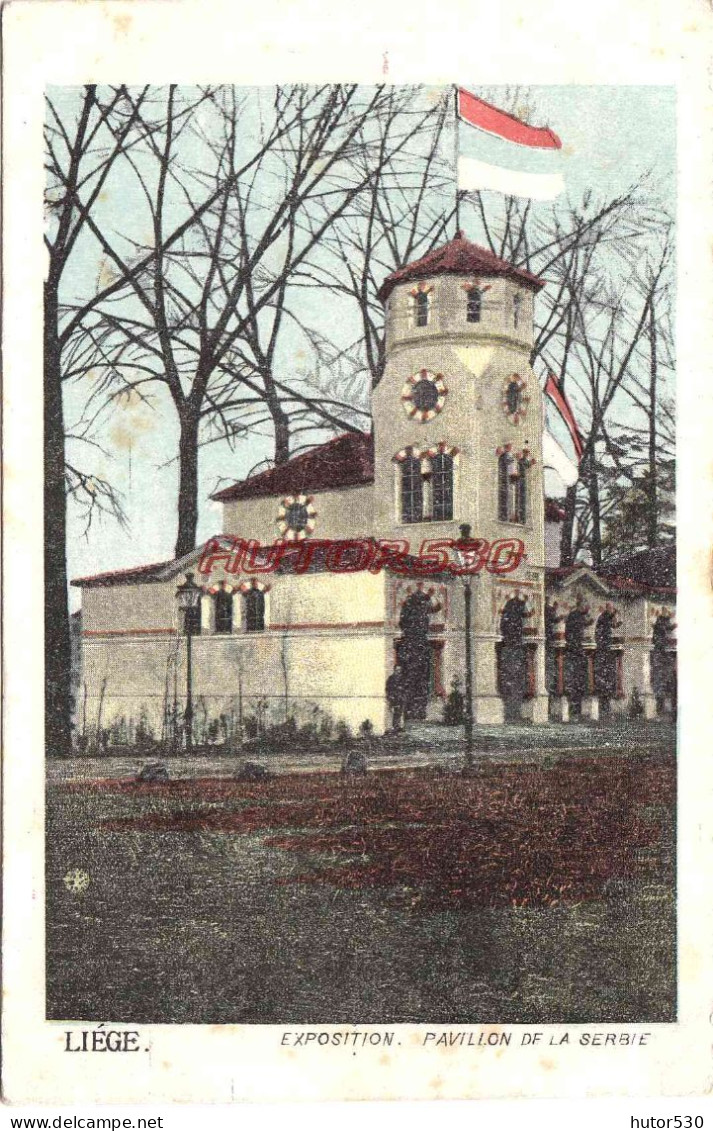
(254, 611)
(576, 674)
(223, 611)
(516, 310)
(442, 486)
(520, 500)
(411, 490)
(474, 305)
(512, 488)
(605, 659)
(421, 305)
(504, 462)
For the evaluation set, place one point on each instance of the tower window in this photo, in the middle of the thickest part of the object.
(516, 310)
(512, 488)
(421, 308)
(296, 516)
(411, 490)
(513, 398)
(474, 305)
(427, 485)
(425, 395)
(442, 486)
(223, 611)
(254, 611)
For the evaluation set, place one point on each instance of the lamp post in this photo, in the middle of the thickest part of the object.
(188, 596)
(462, 547)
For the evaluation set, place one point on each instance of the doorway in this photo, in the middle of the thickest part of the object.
(513, 679)
(576, 674)
(413, 651)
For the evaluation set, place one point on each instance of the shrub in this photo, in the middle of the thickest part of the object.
(343, 732)
(366, 729)
(326, 728)
(636, 707)
(454, 710)
(308, 733)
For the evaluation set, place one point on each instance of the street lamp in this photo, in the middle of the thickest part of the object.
(188, 596)
(463, 550)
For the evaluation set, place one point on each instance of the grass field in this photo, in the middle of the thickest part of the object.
(526, 893)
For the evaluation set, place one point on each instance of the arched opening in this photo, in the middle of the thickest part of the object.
(512, 488)
(411, 490)
(254, 611)
(474, 306)
(421, 308)
(663, 667)
(576, 676)
(223, 611)
(513, 678)
(442, 486)
(605, 662)
(413, 652)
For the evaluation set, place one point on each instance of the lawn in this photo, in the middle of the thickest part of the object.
(526, 893)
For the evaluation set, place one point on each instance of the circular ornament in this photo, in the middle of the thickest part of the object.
(296, 517)
(515, 398)
(424, 395)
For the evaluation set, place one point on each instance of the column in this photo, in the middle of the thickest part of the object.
(636, 671)
(618, 704)
(559, 703)
(590, 702)
(536, 706)
(487, 704)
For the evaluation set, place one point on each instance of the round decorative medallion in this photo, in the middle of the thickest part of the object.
(424, 395)
(295, 517)
(515, 399)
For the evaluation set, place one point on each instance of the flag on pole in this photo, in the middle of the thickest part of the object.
(553, 390)
(497, 151)
(562, 444)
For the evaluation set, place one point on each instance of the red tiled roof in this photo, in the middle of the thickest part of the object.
(347, 461)
(123, 576)
(457, 257)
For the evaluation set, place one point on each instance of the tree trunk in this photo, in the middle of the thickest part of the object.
(281, 425)
(566, 539)
(58, 706)
(652, 517)
(188, 481)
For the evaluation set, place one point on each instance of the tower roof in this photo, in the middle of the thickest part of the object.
(458, 257)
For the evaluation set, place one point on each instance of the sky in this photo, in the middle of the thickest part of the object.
(611, 136)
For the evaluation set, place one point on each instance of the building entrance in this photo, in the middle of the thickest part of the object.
(513, 680)
(413, 652)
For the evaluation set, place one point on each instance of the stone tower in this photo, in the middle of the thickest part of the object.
(458, 439)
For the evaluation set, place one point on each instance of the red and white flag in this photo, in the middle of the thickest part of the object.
(562, 444)
(498, 151)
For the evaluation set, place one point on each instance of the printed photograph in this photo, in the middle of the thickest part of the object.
(360, 554)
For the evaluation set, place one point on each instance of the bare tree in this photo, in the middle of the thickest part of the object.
(79, 160)
(405, 211)
(199, 317)
(608, 324)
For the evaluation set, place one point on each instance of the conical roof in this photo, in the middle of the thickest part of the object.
(458, 257)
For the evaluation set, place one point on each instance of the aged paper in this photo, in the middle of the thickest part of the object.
(357, 392)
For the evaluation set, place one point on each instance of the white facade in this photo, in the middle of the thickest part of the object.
(545, 644)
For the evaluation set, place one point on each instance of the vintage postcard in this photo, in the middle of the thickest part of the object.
(358, 513)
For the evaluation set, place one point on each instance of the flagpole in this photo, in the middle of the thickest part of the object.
(455, 156)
